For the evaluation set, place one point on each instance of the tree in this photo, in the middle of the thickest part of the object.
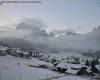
(93, 63)
(94, 69)
(82, 71)
(87, 63)
(96, 61)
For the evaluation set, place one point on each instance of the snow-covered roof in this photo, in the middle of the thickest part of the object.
(15, 48)
(19, 51)
(70, 60)
(72, 68)
(69, 65)
(26, 53)
(3, 49)
(78, 66)
(41, 53)
(72, 71)
(62, 65)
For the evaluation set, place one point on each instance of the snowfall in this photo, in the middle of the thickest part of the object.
(15, 68)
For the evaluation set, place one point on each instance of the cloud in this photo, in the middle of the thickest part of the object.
(55, 31)
(34, 32)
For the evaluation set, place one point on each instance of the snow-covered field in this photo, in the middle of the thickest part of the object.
(70, 78)
(10, 70)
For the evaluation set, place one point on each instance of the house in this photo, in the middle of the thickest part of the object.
(61, 67)
(70, 68)
(14, 51)
(26, 55)
(22, 54)
(36, 54)
(3, 51)
(19, 53)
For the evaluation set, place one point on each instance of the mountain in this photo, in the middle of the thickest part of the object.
(27, 34)
(96, 30)
(32, 34)
(96, 33)
(78, 42)
(35, 27)
(31, 24)
(70, 33)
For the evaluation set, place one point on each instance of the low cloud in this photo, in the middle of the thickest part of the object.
(34, 32)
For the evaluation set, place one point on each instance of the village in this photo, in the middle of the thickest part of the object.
(74, 65)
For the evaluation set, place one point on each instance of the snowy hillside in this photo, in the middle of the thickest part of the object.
(70, 78)
(11, 70)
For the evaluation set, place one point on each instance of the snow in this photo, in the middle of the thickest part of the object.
(78, 66)
(98, 67)
(10, 70)
(71, 78)
(69, 65)
(71, 71)
(19, 51)
(25, 53)
(71, 68)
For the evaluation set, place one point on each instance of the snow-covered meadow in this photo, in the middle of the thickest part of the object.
(10, 70)
(15, 68)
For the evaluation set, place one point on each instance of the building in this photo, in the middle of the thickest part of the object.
(36, 54)
(3, 51)
(14, 51)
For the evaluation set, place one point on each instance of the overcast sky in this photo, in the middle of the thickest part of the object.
(78, 15)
